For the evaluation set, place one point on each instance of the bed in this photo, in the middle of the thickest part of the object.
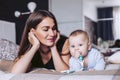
(10, 49)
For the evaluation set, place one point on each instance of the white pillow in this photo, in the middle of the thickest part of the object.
(115, 58)
(8, 50)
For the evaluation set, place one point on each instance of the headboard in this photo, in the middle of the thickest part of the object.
(7, 30)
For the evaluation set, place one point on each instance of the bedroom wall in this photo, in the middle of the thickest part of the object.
(69, 14)
(90, 10)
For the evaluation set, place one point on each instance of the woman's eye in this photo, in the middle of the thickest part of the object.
(54, 28)
(45, 29)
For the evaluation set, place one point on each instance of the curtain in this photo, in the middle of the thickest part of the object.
(105, 23)
(116, 22)
(104, 30)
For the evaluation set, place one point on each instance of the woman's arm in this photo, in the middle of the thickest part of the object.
(61, 62)
(21, 66)
(23, 63)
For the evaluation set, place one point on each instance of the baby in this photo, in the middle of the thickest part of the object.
(83, 56)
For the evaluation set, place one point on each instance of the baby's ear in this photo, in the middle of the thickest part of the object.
(89, 46)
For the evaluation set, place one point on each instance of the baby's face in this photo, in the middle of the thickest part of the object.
(79, 45)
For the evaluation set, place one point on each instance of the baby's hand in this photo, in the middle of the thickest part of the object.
(77, 54)
(91, 69)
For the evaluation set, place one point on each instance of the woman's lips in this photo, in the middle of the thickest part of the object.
(51, 39)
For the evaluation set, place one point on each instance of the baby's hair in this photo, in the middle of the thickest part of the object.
(77, 32)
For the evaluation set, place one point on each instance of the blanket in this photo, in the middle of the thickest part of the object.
(83, 75)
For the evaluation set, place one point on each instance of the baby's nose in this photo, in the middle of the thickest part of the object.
(76, 48)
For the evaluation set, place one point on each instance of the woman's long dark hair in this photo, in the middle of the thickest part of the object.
(33, 20)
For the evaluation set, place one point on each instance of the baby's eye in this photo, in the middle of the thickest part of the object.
(80, 44)
(72, 46)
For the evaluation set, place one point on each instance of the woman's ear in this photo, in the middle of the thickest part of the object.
(32, 30)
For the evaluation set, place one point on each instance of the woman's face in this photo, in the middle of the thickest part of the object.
(46, 31)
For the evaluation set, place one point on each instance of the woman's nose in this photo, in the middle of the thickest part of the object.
(51, 33)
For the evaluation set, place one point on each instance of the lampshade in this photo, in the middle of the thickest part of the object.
(31, 6)
(17, 13)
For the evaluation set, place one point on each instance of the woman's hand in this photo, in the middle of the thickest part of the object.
(56, 39)
(33, 39)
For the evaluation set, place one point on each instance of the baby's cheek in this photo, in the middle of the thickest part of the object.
(85, 54)
(72, 54)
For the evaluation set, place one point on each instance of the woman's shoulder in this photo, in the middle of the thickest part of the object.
(61, 42)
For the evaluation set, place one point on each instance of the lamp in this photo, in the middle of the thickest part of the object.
(31, 6)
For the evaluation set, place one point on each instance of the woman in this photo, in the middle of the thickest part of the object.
(38, 45)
